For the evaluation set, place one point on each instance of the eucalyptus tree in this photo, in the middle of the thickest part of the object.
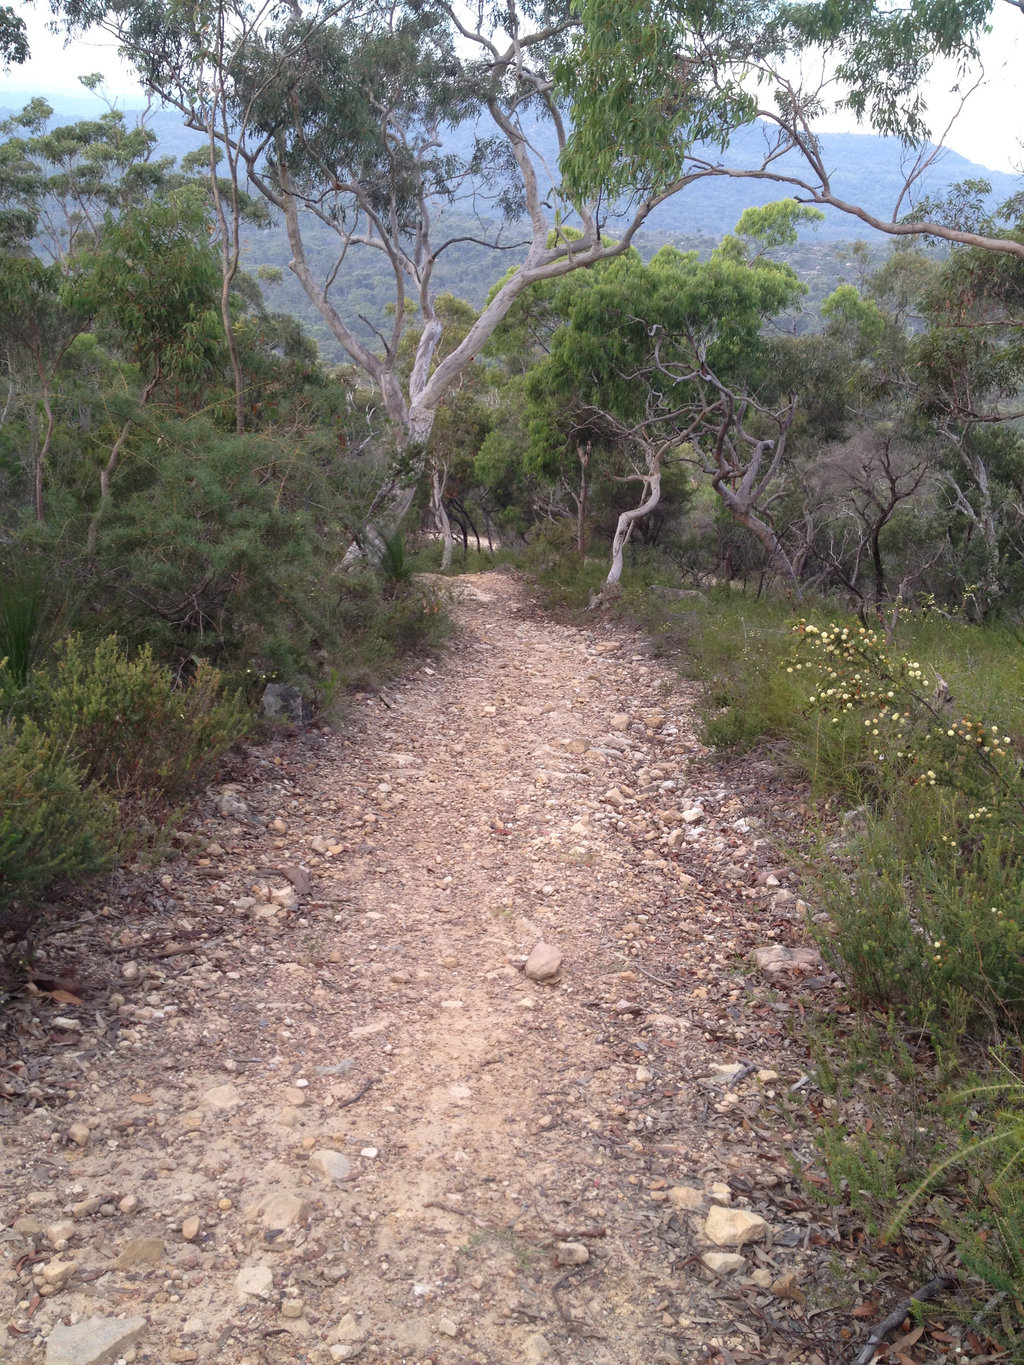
(665, 361)
(658, 87)
(404, 128)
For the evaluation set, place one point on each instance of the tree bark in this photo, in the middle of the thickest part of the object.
(627, 520)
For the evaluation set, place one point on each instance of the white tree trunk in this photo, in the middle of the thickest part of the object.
(627, 520)
(441, 518)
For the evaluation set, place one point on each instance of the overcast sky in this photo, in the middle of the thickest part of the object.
(987, 132)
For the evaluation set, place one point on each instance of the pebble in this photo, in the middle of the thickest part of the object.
(447, 1327)
(536, 1348)
(79, 1134)
(348, 1329)
(725, 1262)
(58, 1234)
(129, 1203)
(292, 1308)
(56, 1272)
(620, 721)
(279, 1211)
(190, 1228)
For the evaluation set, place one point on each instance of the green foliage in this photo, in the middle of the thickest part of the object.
(24, 620)
(393, 563)
(51, 825)
(153, 284)
(214, 546)
(136, 733)
(925, 914)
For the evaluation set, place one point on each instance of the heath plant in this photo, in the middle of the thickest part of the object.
(927, 913)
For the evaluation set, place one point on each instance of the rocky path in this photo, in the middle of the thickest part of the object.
(301, 1097)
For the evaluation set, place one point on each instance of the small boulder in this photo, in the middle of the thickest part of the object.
(734, 1227)
(281, 701)
(725, 1262)
(331, 1164)
(93, 1341)
(544, 963)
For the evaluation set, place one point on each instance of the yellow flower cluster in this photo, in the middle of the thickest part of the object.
(974, 732)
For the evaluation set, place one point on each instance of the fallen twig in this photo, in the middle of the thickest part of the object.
(931, 1290)
(672, 985)
(344, 1104)
(577, 1328)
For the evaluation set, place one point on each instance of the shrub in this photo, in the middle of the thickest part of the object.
(223, 547)
(51, 825)
(930, 917)
(136, 734)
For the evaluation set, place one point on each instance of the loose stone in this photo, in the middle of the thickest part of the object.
(93, 1341)
(544, 963)
(331, 1164)
(734, 1227)
(257, 1280)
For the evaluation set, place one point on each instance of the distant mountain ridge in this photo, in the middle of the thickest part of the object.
(867, 171)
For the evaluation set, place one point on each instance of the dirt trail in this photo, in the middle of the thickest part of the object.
(352, 1128)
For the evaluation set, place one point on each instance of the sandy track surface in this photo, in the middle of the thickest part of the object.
(263, 1116)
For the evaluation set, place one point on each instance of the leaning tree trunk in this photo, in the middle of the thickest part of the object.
(765, 533)
(441, 518)
(627, 520)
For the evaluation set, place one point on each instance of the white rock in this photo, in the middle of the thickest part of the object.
(536, 1349)
(691, 816)
(727, 1070)
(93, 1341)
(348, 1329)
(331, 1164)
(620, 721)
(544, 963)
(734, 1227)
(255, 1279)
(725, 1262)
